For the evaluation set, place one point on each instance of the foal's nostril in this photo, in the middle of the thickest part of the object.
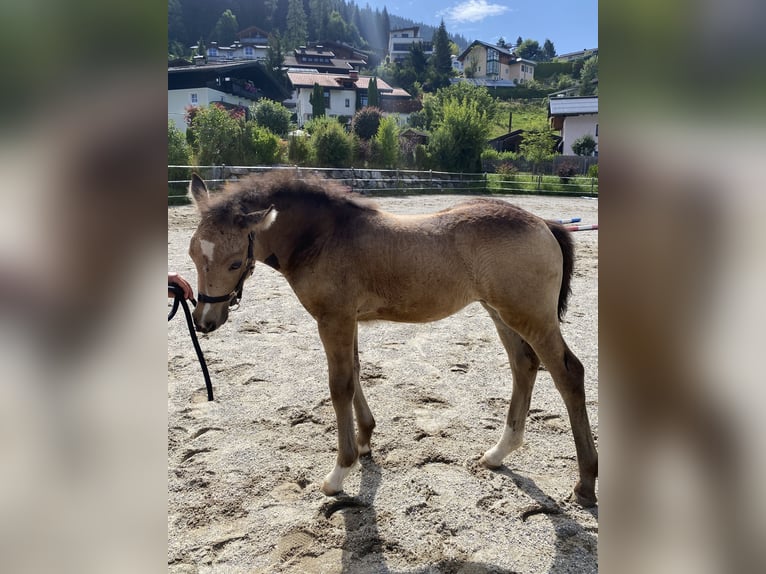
(205, 327)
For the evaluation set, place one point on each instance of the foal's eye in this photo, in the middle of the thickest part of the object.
(235, 265)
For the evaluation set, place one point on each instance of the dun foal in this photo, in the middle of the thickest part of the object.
(347, 261)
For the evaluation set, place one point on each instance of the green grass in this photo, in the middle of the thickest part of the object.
(530, 183)
(527, 115)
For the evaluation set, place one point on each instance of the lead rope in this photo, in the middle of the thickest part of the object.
(179, 298)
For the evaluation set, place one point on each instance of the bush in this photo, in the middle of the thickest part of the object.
(299, 150)
(331, 144)
(593, 171)
(273, 116)
(259, 145)
(179, 152)
(422, 157)
(366, 122)
(565, 171)
(507, 168)
(218, 136)
(388, 140)
(584, 145)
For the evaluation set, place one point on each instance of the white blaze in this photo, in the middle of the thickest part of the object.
(207, 248)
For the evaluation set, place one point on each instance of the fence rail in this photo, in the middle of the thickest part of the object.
(394, 182)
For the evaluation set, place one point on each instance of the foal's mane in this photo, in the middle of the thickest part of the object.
(283, 190)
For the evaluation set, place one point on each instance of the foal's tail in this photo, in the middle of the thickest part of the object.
(564, 237)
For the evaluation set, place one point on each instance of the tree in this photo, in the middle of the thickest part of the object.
(388, 142)
(296, 33)
(584, 145)
(332, 146)
(529, 50)
(373, 96)
(460, 137)
(317, 101)
(275, 57)
(259, 145)
(537, 146)
(549, 51)
(518, 42)
(501, 42)
(588, 74)
(273, 116)
(366, 122)
(218, 136)
(441, 61)
(225, 30)
(179, 152)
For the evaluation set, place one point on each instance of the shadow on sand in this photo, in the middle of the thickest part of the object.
(364, 549)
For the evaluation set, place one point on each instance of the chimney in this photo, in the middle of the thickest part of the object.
(353, 74)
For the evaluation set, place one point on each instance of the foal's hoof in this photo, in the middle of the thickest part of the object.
(584, 499)
(328, 489)
(488, 461)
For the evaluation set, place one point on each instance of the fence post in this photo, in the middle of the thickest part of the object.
(539, 181)
(591, 185)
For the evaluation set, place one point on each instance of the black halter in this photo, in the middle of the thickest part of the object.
(236, 295)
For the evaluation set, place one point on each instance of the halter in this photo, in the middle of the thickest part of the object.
(236, 295)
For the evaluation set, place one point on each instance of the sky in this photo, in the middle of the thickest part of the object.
(571, 25)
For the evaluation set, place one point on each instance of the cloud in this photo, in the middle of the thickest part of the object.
(473, 11)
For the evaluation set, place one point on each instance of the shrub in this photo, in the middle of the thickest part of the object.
(299, 150)
(584, 145)
(179, 152)
(565, 171)
(273, 116)
(330, 143)
(593, 171)
(259, 145)
(388, 140)
(507, 168)
(218, 136)
(366, 121)
(422, 157)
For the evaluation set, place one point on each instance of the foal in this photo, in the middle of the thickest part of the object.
(347, 261)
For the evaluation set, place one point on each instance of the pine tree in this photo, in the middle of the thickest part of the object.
(225, 30)
(373, 96)
(297, 27)
(549, 51)
(317, 101)
(441, 62)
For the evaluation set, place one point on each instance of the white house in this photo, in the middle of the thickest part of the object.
(238, 84)
(574, 117)
(400, 41)
(344, 94)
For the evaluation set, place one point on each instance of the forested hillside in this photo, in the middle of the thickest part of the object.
(296, 21)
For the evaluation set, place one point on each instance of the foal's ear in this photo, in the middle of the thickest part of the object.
(199, 193)
(261, 220)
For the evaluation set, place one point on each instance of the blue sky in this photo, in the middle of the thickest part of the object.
(570, 24)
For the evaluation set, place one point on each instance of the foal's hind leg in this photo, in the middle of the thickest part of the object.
(364, 419)
(568, 375)
(524, 365)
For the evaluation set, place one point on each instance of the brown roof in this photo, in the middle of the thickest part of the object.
(300, 79)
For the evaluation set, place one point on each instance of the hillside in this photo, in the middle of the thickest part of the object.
(297, 22)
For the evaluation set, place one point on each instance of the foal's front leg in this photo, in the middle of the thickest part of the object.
(338, 339)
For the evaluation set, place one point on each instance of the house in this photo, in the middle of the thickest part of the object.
(574, 117)
(232, 84)
(481, 60)
(344, 94)
(579, 55)
(400, 41)
(234, 53)
(321, 59)
(512, 141)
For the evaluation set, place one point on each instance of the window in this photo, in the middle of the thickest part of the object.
(363, 101)
(193, 98)
(248, 51)
(348, 105)
(492, 55)
(327, 98)
(596, 130)
(492, 68)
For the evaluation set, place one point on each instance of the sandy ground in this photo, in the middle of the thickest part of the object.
(244, 471)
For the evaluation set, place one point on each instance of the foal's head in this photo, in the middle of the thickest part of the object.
(224, 249)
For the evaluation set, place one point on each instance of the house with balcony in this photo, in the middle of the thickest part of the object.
(344, 94)
(321, 59)
(481, 60)
(232, 84)
(574, 117)
(400, 41)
